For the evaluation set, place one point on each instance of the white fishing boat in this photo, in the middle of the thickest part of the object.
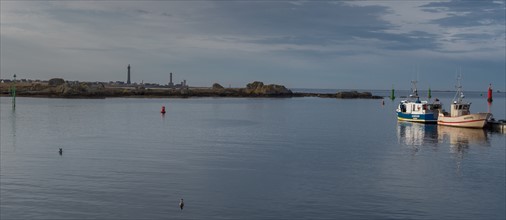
(416, 110)
(460, 115)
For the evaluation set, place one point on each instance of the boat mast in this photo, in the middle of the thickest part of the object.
(414, 90)
(460, 94)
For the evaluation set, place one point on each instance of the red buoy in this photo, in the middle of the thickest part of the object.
(489, 96)
(163, 110)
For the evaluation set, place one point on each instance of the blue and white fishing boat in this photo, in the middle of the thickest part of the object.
(415, 110)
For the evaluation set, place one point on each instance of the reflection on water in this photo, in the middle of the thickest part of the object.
(416, 134)
(460, 138)
(12, 118)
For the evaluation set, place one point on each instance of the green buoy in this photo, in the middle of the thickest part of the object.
(392, 94)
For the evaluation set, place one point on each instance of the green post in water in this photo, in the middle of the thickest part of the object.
(392, 94)
(13, 92)
(430, 96)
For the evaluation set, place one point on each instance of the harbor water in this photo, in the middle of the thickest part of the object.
(245, 158)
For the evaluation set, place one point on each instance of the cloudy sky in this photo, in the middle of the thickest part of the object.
(300, 44)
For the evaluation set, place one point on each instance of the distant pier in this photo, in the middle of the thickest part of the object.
(499, 126)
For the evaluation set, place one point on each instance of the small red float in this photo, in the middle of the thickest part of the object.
(163, 110)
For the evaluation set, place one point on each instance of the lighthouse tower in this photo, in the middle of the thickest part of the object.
(171, 84)
(128, 76)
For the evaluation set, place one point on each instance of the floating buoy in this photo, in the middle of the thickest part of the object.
(392, 94)
(489, 96)
(181, 204)
(60, 151)
(163, 110)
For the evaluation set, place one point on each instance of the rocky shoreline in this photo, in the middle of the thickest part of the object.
(58, 88)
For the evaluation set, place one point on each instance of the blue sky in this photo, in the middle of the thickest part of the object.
(300, 44)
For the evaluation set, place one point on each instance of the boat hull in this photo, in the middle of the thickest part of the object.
(476, 120)
(421, 118)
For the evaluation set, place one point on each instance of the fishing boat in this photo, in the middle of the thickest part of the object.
(415, 110)
(460, 115)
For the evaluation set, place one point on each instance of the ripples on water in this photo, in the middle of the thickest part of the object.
(299, 158)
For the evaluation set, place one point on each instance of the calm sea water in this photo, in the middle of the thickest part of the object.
(242, 158)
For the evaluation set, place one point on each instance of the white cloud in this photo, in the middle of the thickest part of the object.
(408, 16)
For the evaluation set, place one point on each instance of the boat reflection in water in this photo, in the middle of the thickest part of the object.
(460, 138)
(416, 134)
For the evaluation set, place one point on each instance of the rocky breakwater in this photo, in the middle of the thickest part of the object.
(254, 89)
(58, 87)
(272, 90)
(356, 95)
(80, 90)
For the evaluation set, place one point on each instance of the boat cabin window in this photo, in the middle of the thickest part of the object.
(402, 107)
